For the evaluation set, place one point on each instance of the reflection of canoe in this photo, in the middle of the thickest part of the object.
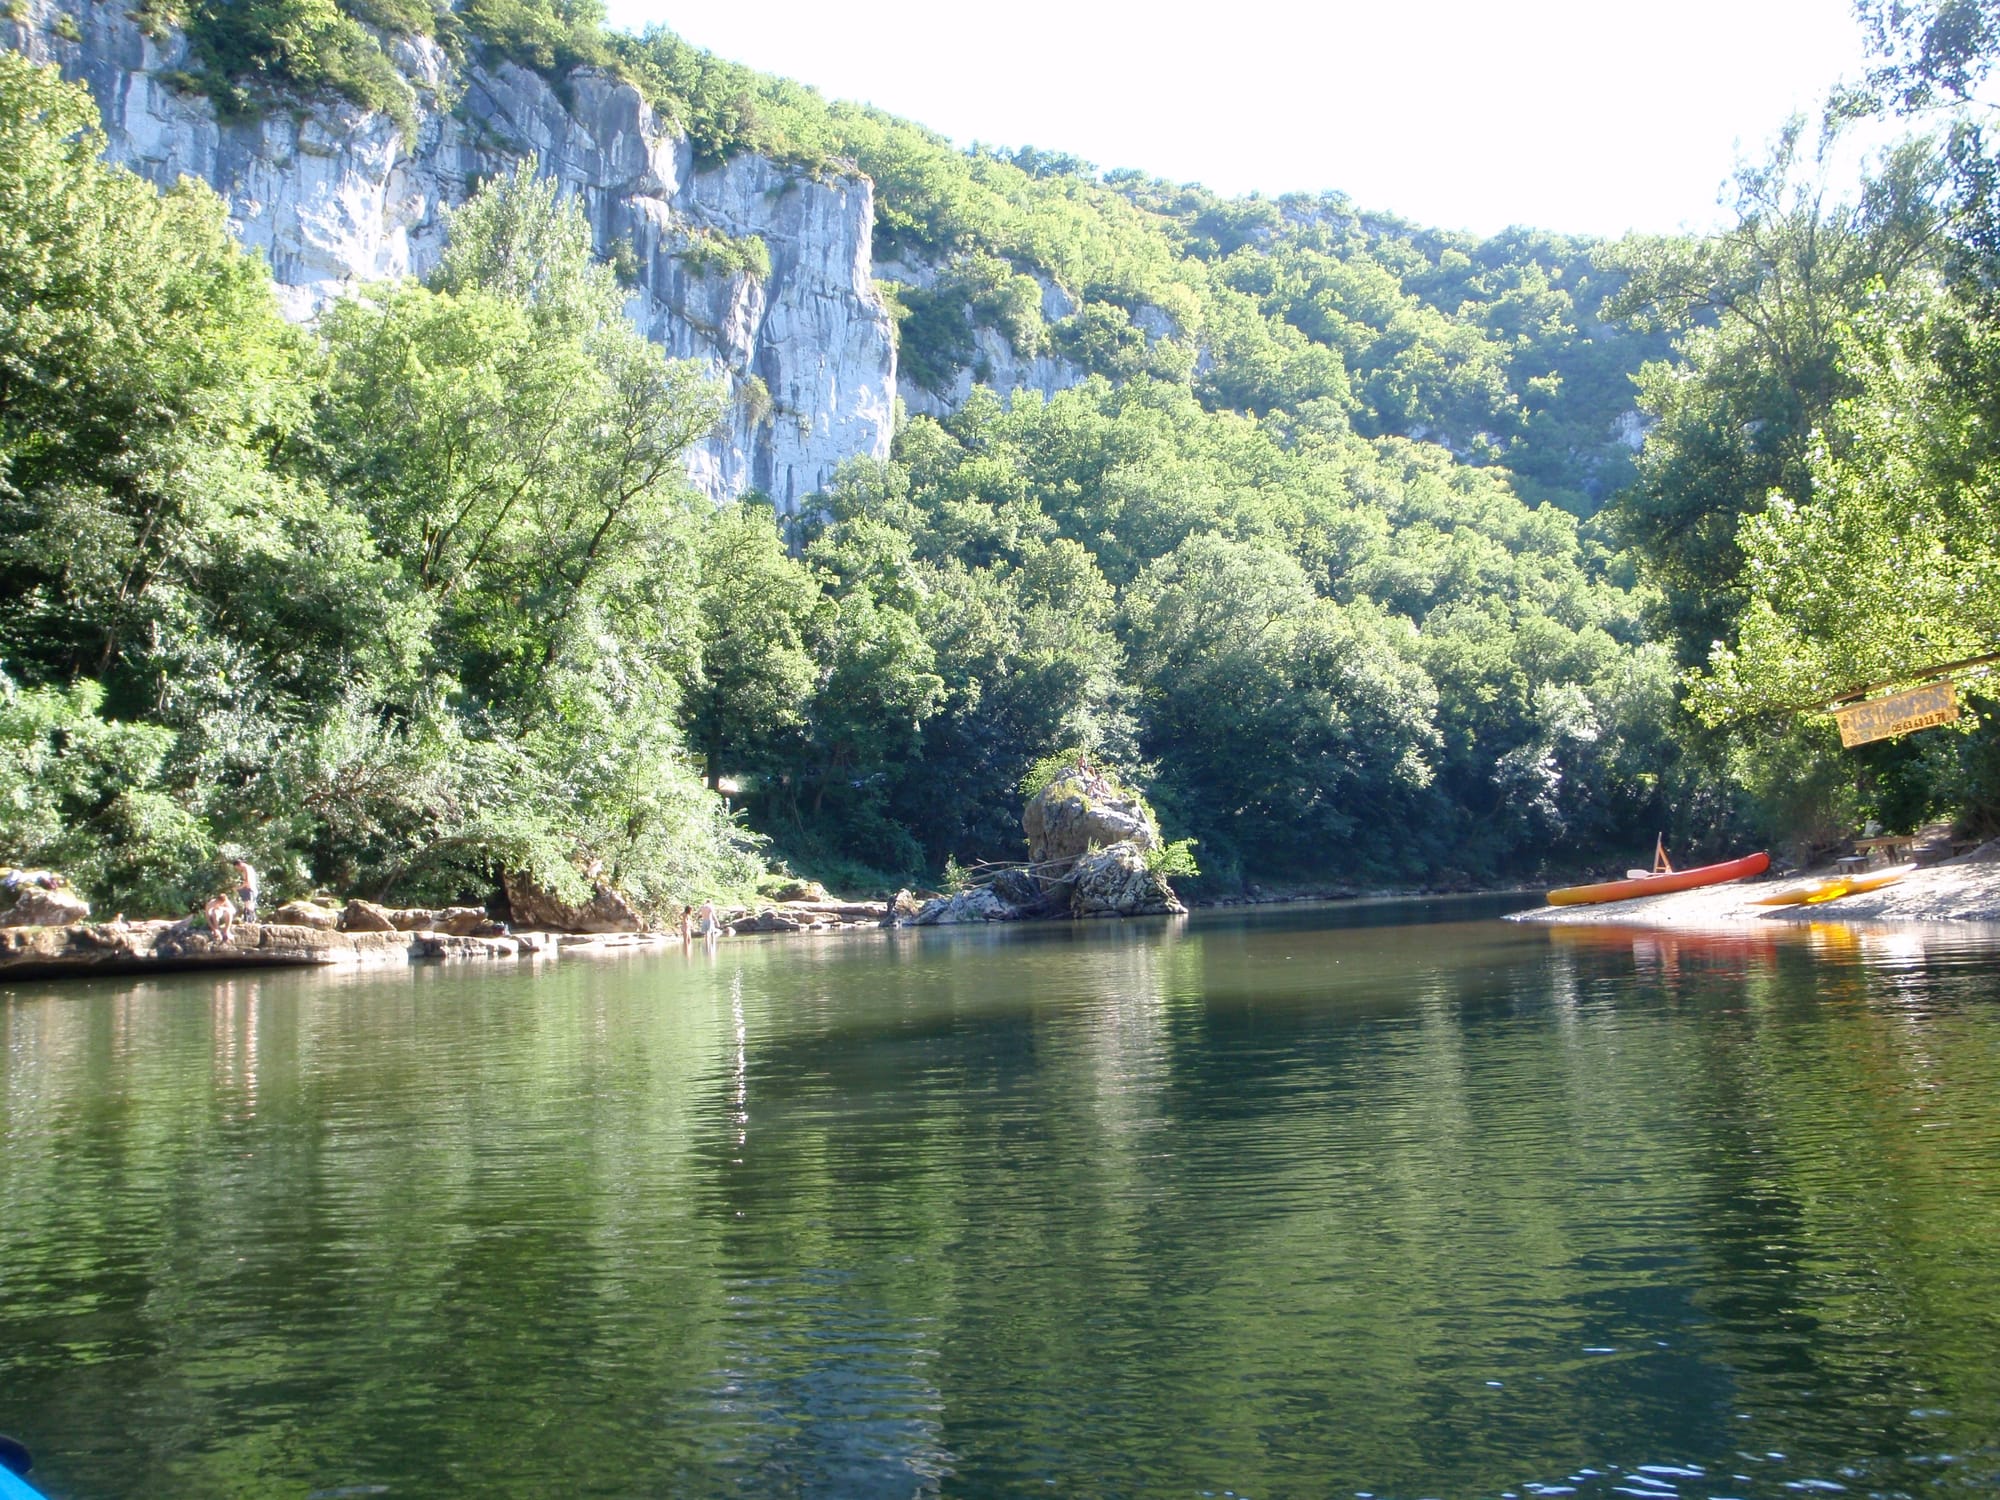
(1833, 887)
(1709, 947)
(1660, 885)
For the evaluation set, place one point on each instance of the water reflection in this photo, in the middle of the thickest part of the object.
(1387, 1200)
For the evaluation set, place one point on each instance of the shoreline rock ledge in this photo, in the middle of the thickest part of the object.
(140, 947)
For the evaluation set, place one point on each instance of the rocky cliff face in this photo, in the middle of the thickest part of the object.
(996, 364)
(335, 196)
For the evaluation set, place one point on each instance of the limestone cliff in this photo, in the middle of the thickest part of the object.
(334, 196)
(995, 362)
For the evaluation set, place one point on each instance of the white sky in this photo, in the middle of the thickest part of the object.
(1580, 115)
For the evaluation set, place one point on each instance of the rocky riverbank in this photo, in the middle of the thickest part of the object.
(139, 947)
(364, 935)
(1966, 889)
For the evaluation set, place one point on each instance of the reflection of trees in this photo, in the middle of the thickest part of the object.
(1838, 1131)
(1259, 1205)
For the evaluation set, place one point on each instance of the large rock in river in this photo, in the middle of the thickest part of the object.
(533, 907)
(1079, 811)
(1116, 882)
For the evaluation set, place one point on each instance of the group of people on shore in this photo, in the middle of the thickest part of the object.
(222, 913)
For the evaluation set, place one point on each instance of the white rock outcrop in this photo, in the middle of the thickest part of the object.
(35, 907)
(995, 364)
(333, 196)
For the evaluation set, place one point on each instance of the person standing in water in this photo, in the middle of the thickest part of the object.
(687, 925)
(705, 921)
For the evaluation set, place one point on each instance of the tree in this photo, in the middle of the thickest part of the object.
(757, 610)
(1759, 311)
(508, 432)
(1893, 564)
(1284, 725)
(1933, 58)
(83, 794)
(145, 375)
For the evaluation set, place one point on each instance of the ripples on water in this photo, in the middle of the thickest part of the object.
(1387, 1202)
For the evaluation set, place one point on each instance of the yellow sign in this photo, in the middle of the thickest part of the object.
(1879, 718)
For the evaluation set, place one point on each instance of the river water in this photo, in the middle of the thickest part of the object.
(1396, 1201)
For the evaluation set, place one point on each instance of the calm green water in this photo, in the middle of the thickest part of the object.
(1397, 1200)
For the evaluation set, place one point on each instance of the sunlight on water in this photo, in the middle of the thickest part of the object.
(1379, 1201)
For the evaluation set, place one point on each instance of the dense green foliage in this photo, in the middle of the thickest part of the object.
(1818, 502)
(1349, 653)
(246, 52)
(1759, 313)
(387, 611)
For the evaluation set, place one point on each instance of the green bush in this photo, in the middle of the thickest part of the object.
(1035, 780)
(711, 250)
(245, 48)
(1175, 861)
(549, 38)
(82, 794)
(397, 17)
(933, 333)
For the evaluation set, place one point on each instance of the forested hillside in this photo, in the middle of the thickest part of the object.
(1302, 309)
(1303, 522)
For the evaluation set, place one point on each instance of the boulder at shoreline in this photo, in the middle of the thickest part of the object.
(1088, 842)
(1088, 845)
(531, 906)
(38, 907)
(1117, 882)
(1077, 812)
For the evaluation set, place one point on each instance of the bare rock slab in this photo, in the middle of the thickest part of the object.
(136, 947)
(979, 904)
(605, 911)
(307, 914)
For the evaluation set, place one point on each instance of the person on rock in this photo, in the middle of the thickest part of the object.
(246, 888)
(221, 915)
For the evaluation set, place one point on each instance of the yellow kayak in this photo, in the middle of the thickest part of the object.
(1833, 887)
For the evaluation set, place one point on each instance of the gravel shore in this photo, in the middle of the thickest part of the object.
(1966, 889)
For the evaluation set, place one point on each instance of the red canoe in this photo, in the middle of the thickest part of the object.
(1660, 885)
